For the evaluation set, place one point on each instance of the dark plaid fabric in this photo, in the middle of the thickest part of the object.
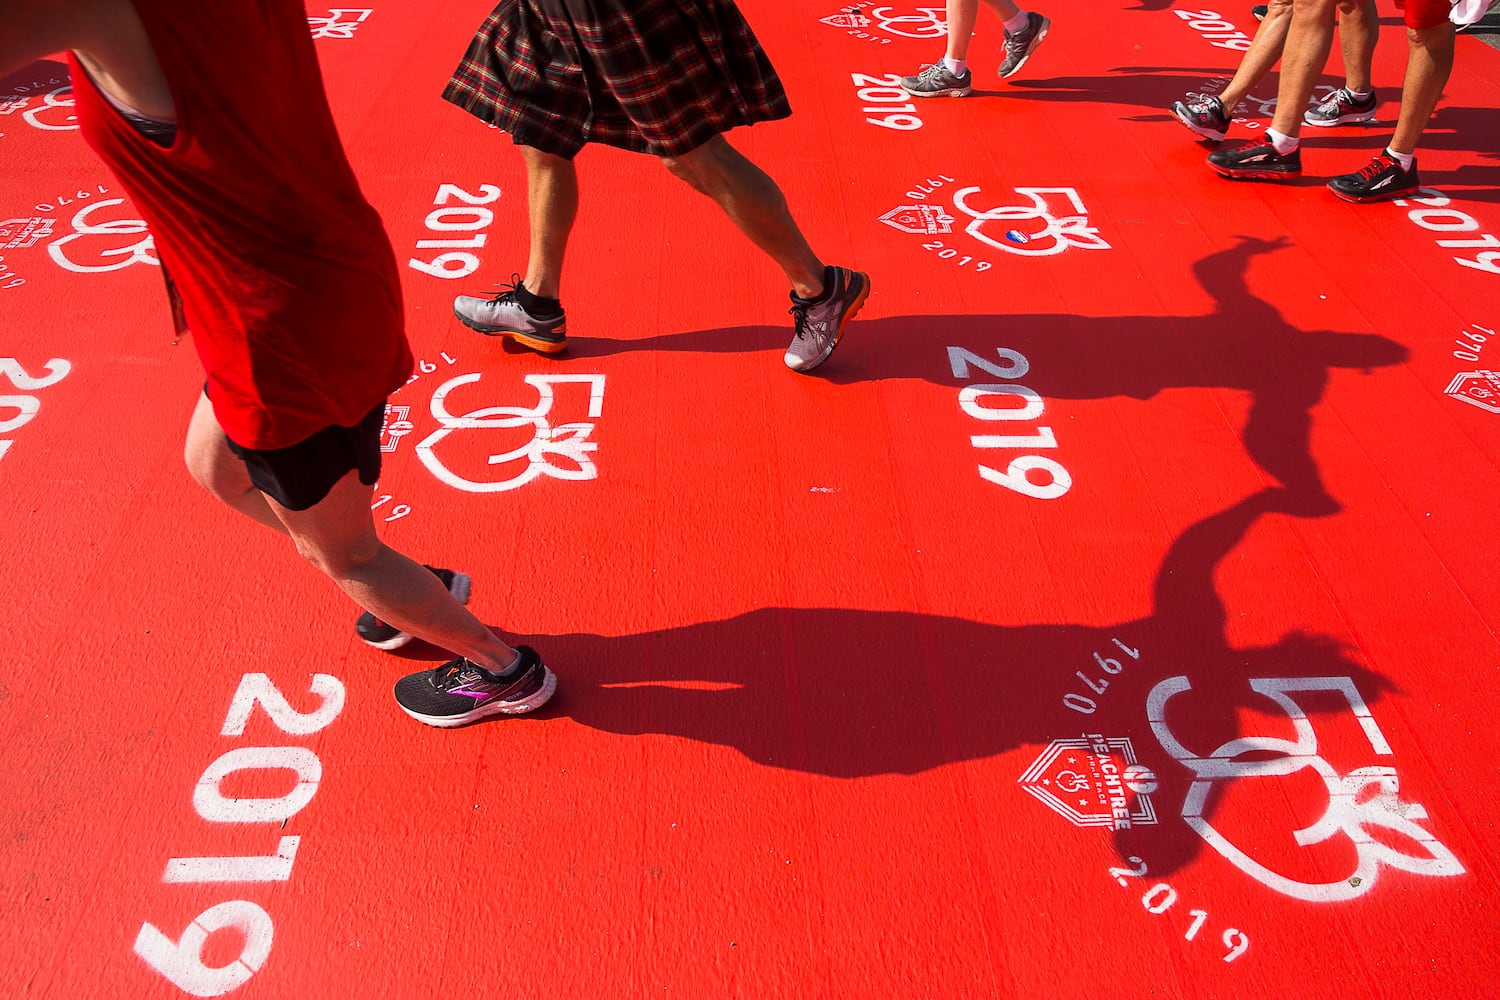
(652, 76)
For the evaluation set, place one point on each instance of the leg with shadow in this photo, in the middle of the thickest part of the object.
(1209, 118)
(824, 299)
(1309, 39)
(530, 312)
(1393, 172)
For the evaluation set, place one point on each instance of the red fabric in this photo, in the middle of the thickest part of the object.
(1420, 15)
(286, 275)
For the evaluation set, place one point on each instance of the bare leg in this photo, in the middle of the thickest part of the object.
(1428, 64)
(219, 471)
(338, 536)
(753, 203)
(1308, 42)
(1359, 24)
(1264, 51)
(552, 206)
(961, 16)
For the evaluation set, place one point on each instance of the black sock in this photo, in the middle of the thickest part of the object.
(536, 305)
(828, 282)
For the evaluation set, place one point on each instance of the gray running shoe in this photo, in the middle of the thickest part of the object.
(1206, 118)
(1341, 108)
(937, 81)
(1020, 46)
(819, 325)
(503, 316)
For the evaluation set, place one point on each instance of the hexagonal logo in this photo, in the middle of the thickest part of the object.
(1481, 389)
(1093, 781)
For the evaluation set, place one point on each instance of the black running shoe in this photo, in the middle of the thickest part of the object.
(1259, 11)
(1257, 163)
(460, 692)
(1382, 178)
(1206, 118)
(383, 635)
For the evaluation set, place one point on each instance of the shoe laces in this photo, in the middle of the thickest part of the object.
(1376, 167)
(1339, 98)
(447, 676)
(798, 312)
(506, 292)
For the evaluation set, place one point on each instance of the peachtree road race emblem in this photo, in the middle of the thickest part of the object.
(1055, 220)
(1481, 389)
(1093, 781)
(1364, 809)
(927, 22)
(396, 427)
(532, 451)
(919, 220)
(21, 234)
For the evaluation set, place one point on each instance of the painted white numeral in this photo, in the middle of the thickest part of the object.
(214, 807)
(1443, 220)
(487, 194)
(1159, 898)
(271, 868)
(1482, 262)
(257, 689)
(1487, 240)
(28, 405)
(1014, 363)
(1080, 703)
(57, 370)
(1030, 408)
(464, 264)
(477, 240)
(181, 961)
(440, 219)
(1121, 874)
(864, 80)
(1043, 438)
(4, 447)
(1014, 478)
(1199, 916)
(901, 123)
(1236, 942)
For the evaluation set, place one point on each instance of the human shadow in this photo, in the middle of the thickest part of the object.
(1243, 344)
(854, 694)
(40, 77)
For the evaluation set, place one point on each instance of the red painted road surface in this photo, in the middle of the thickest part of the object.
(1115, 615)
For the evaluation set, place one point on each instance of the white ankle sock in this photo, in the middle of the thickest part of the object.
(956, 66)
(1405, 159)
(1017, 23)
(1284, 144)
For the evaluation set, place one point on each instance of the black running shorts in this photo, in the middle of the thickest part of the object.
(301, 475)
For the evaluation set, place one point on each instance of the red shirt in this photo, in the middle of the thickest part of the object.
(287, 278)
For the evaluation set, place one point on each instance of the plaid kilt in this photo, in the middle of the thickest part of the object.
(651, 76)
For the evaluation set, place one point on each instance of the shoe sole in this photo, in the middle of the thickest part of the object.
(1382, 196)
(1199, 130)
(950, 92)
(1354, 119)
(530, 703)
(1252, 174)
(460, 588)
(1041, 36)
(524, 339)
(849, 314)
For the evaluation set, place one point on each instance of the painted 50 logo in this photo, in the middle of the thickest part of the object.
(1364, 808)
(540, 444)
(1055, 220)
(927, 22)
